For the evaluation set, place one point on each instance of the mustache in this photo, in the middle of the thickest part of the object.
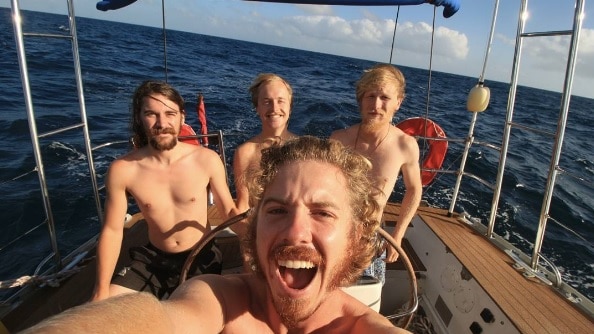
(299, 253)
(156, 132)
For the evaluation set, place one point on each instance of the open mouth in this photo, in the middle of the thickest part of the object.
(297, 274)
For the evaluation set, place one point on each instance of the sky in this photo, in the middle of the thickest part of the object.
(459, 43)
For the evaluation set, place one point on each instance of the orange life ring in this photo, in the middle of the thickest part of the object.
(187, 130)
(424, 127)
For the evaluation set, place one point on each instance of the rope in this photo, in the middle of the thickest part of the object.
(52, 280)
(430, 76)
(19, 176)
(164, 39)
(490, 42)
(394, 35)
(5, 246)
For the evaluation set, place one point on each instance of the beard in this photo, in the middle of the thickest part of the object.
(293, 311)
(163, 144)
(372, 125)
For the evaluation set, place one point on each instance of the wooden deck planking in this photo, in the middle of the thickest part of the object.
(531, 305)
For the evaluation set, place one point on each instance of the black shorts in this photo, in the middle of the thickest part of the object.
(158, 272)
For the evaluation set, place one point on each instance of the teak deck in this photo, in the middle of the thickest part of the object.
(532, 306)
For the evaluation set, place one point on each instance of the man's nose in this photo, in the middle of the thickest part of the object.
(158, 121)
(274, 105)
(298, 228)
(378, 103)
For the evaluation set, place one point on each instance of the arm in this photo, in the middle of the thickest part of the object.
(222, 196)
(198, 304)
(411, 175)
(240, 165)
(373, 322)
(110, 240)
(130, 313)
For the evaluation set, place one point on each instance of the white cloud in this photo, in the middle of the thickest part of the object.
(549, 54)
(370, 15)
(416, 38)
(587, 42)
(585, 65)
(451, 43)
(505, 40)
(359, 33)
(316, 9)
(331, 33)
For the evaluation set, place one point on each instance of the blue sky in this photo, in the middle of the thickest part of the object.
(366, 32)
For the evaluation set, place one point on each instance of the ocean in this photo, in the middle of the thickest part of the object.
(116, 57)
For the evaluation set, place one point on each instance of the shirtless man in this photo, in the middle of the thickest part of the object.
(168, 180)
(272, 97)
(380, 91)
(311, 233)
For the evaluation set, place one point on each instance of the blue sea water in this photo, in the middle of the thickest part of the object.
(116, 57)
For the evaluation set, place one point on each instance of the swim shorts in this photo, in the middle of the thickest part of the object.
(377, 268)
(158, 272)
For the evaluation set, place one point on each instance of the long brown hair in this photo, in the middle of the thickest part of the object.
(148, 88)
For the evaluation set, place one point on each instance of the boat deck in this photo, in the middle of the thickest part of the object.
(532, 306)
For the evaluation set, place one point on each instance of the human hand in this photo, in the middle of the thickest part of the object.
(392, 255)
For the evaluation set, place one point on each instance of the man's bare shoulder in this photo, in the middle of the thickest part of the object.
(371, 323)
(127, 161)
(230, 280)
(344, 135)
(230, 287)
(198, 152)
(355, 317)
(248, 147)
(133, 155)
(403, 139)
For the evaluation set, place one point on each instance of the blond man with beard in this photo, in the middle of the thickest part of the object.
(380, 91)
(312, 231)
(168, 180)
(272, 97)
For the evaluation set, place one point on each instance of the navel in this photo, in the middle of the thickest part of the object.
(193, 199)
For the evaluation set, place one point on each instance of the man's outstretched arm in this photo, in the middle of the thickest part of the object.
(130, 313)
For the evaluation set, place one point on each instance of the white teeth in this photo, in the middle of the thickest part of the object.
(296, 264)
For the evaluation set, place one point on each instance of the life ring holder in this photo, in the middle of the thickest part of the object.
(406, 314)
(426, 128)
